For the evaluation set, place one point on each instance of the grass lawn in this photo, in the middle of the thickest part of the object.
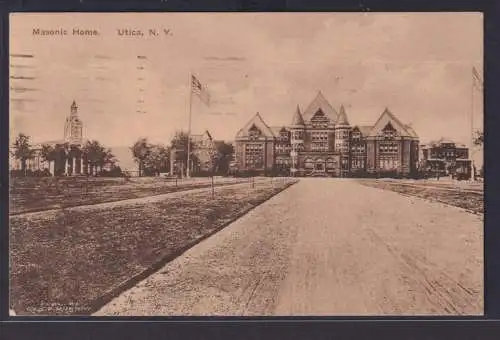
(471, 200)
(71, 262)
(38, 194)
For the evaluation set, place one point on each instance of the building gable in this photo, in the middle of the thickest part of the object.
(387, 119)
(255, 126)
(320, 119)
(320, 103)
(203, 140)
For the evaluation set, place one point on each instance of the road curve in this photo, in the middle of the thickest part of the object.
(325, 247)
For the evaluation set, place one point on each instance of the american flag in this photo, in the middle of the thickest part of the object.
(200, 90)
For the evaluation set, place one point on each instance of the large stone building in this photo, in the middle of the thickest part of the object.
(64, 164)
(321, 141)
(446, 158)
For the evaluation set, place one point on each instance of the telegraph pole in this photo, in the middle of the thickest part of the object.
(188, 172)
(472, 171)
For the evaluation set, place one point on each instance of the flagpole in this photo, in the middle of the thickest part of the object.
(188, 172)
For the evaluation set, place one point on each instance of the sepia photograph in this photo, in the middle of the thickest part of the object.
(246, 164)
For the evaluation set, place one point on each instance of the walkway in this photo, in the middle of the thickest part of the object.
(325, 247)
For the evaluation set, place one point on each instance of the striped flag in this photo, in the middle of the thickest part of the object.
(477, 78)
(200, 90)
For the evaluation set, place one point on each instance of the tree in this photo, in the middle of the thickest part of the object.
(140, 151)
(60, 158)
(157, 159)
(223, 157)
(96, 156)
(105, 157)
(179, 146)
(22, 150)
(49, 154)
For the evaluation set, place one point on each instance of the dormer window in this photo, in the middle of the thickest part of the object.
(283, 134)
(254, 132)
(389, 132)
(356, 135)
(320, 120)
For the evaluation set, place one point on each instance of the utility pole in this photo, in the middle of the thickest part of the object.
(188, 174)
(472, 170)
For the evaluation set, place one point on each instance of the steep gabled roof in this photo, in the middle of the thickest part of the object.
(364, 129)
(259, 123)
(298, 120)
(388, 117)
(412, 132)
(320, 103)
(277, 129)
(199, 136)
(342, 117)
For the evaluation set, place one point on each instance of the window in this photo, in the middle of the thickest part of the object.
(254, 155)
(282, 164)
(323, 147)
(357, 163)
(254, 132)
(283, 135)
(388, 163)
(389, 148)
(319, 136)
(358, 148)
(389, 132)
(297, 135)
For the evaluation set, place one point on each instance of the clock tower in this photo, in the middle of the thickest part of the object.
(73, 127)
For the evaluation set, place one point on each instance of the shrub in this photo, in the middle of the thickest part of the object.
(113, 172)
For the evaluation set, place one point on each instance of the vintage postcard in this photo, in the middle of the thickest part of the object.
(246, 164)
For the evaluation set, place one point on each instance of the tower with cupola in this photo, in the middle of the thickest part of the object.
(73, 127)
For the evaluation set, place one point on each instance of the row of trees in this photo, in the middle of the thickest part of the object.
(155, 158)
(151, 158)
(95, 155)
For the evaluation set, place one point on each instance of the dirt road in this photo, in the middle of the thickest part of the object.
(325, 247)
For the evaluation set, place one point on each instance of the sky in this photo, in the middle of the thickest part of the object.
(419, 65)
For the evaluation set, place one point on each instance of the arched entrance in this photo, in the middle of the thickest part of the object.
(320, 165)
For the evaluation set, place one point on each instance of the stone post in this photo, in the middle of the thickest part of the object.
(73, 170)
(81, 165)
(66, 166)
